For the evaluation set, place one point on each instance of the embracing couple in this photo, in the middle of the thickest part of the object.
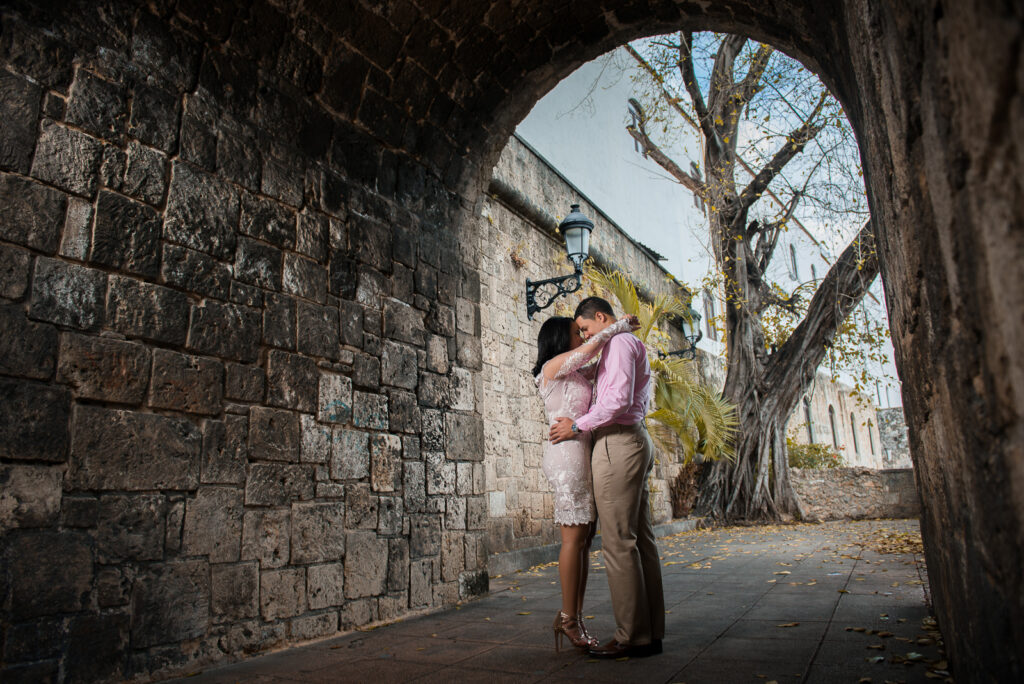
(599, 456)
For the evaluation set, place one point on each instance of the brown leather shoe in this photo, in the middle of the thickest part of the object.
(613, 649)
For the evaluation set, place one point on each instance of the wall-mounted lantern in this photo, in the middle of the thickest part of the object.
(576, 229)
(692, 332)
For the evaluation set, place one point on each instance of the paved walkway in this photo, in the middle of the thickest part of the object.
(798, 603)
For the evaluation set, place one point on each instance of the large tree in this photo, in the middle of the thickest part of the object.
(766, 375)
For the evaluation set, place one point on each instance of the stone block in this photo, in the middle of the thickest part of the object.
(372, 288)
(414, 486)
(225, 451)
(194, 271)
(96, 647)
(77, 238)
(313, 626)
(312, 239)
(455, 513)
(97, 106)
(316, 440)
(113, 587)
(465, 437)
(268, 221)
(130, 528)
(370, 411)
(104, 368)
(213, 524)
(279, 321)
(401, 283)
(152, 312)
(350, 455)
(171, 603)
(266, 536)
(38, 639)
(398, 365)
(79, 511)
(398, 564)
(357, 613)
(360, 507)
(304, 278)
(246, 295)
(343, 275)
(282, 593)
(421, 583)
(145, 174)
(469, 351)
(202, 212)
(366, 565)
(35, 424)
(432, 430)
(49, 572)
(182, 382)
(67, 158)
(293, 381)
(424, 535)
(371, 241)
(154, 117)
(27, 349)
(30, 496)
(453, 555)
(238, 157)
(318, 532)
(365, 370)
(319, 330)
(67, 294)
(19, 110)
(434, 390)
(274, 435)
(112, 167)
(258, 264)
(278, 484)
(334, 402)
(440, 320)
(15, 265)
(234, 591)
(389, 515)
(403, 412)
(244, 383)
(33, 213)
(463, 390)
(226, 330)
(132, 451)
(385, 462)
(326, 585)
(403, 322)
(126, 235)
(437, 354)
(441, 473)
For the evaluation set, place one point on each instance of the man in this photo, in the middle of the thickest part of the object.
(622, 458)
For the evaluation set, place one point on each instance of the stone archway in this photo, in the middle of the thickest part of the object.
(293, 169)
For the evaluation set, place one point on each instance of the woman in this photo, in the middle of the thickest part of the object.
(565, 386)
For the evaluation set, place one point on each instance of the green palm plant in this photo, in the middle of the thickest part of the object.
(687, 415)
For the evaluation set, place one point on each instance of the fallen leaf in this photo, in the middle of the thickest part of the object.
(789, 624)
(877, 647)
(524, 612)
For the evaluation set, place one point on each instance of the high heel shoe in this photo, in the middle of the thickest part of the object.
(591, 639)
(569, 626)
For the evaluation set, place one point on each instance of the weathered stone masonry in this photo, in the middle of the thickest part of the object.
(230, 348)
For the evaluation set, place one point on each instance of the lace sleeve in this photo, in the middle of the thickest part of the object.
(585, 352)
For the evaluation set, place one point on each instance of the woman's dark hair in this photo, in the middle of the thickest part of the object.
(553, 339)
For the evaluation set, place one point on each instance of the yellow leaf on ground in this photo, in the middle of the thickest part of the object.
(524, 612)
(789, 624)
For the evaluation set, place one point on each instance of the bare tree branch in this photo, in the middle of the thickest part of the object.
(669, 97)
(751, 83)
(794, 145)
(654, 152)
(692, 87)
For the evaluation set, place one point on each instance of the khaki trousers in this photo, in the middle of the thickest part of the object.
(623, 456)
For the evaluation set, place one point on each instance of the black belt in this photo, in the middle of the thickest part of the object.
(616, 428)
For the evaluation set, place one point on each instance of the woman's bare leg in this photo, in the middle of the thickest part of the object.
(570, 566)
(584, 567)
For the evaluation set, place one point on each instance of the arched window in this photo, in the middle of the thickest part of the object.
(814, 273)
(832, 423)
(809, 419)
(853, 431)
(709, 315)
(636, 116)
(793, 271)
(871, 437)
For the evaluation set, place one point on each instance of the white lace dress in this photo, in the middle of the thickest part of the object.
(567, 464)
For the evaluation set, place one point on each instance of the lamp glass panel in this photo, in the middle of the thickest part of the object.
(577, 241)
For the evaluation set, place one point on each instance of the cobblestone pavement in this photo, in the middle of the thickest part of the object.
(835, 602)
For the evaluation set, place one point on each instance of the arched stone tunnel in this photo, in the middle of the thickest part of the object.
(231, 274)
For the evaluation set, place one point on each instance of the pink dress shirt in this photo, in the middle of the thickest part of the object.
(623, 384)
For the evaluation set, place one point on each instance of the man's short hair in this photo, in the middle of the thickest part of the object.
(591, 305)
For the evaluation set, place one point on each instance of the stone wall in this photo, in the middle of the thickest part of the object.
(895, 446)
(239, 371)
(854, 493)
(518, 241)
